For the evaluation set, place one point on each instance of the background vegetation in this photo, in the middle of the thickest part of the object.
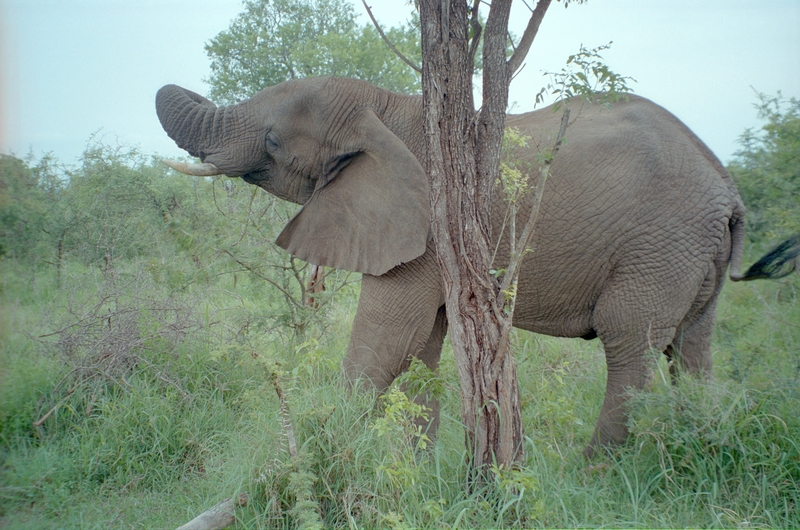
(146, 320)
(275, 40)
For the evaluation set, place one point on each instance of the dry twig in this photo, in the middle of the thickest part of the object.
(387, 41)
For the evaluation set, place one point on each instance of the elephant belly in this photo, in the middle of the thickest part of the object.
(562, 279)
(560, 309)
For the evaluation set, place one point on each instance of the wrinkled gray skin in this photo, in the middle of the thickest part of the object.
(639, 222)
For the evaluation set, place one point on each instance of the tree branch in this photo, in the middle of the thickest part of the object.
(527, 38)
(475, 24)
(511, 276)
(527, 232)
(387, 41)
(275, 284)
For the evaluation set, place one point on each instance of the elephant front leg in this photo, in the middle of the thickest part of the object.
(430, 355)
(395, 321)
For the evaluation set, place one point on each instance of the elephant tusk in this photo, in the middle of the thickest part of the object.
(195, 170)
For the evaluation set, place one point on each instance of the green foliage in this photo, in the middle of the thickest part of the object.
(587, 76)
(400, 428)
(114, 204)
(313, 360)
(108, 392)
(232, 233)
(277, 40)
(419, 380)
(195, 419)
(757, 333)
(518, 490)
(730, 446)
(515, 175)
(26, 194)
(767, 170)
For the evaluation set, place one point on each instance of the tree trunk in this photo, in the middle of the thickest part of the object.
(462, 160)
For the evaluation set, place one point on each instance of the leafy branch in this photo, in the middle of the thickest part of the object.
(586, 75)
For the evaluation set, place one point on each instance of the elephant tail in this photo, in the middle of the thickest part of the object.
(777, 263)
(737, 242)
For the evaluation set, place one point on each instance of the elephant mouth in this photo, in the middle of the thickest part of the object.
(297, 191)
(223, 162)
(253, 177)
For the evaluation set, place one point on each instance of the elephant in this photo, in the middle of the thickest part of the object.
(638, 224)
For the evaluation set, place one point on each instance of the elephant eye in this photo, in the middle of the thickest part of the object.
(271, 142)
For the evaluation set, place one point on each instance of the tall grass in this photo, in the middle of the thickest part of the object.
(171, 407)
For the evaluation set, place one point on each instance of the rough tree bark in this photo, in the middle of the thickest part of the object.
(462, 160)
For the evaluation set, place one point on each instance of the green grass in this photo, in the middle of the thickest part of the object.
(189, 416)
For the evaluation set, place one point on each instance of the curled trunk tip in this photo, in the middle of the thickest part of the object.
(187, 117)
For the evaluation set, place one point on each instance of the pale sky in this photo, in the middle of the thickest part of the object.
(72, 68)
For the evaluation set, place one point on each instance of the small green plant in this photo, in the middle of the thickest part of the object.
(395, 521)
(419, 380)
(519, 490)
(399, 426)
(301, 480)
(314, 360)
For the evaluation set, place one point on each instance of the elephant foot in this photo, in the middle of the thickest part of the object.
(596, 450)
(611, 430)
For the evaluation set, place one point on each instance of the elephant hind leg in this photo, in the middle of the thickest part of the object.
(630, 362)
(690, 350)
(632, 336)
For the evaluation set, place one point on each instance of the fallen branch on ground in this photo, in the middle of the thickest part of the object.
(217, 517)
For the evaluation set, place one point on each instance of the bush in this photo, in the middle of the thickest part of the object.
(767, 171)
(729, 446)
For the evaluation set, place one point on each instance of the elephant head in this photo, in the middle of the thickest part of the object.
(313, 142)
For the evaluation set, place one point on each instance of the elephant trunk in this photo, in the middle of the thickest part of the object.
(190, 119)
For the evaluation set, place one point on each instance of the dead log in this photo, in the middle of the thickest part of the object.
(217, 517)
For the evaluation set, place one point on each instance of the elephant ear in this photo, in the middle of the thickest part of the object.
(373, 214)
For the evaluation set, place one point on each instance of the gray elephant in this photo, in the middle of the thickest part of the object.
(637, 228)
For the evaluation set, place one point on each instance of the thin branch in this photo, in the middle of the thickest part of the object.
(527, 232)
(40, 421)
(476, 39)
(286, 419)
(502, 350)
(527, 38)
(477, 29)
(163, 378)
(275, 284)
(387, 41)
(511, 41)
